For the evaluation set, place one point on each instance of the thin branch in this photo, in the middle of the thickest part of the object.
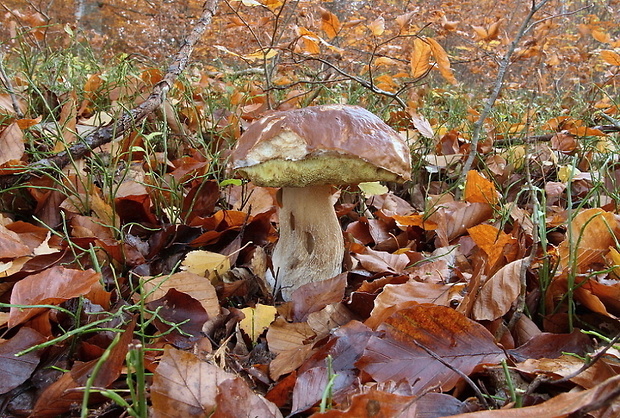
(9, 88)
(497, 88)
(129, 119)
(471, 383)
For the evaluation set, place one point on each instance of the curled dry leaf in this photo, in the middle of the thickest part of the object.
(499, 292)
(566, 365)
(415, 337)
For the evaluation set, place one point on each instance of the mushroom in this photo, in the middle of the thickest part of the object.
(305, 152)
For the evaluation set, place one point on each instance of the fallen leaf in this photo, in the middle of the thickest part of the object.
(16, 370)
(401, 354)
(499, 292)
(257, 319)
(50, 287)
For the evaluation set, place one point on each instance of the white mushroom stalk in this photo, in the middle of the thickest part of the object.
(311, 245)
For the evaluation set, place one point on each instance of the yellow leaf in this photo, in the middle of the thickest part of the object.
(611, 57)
(261, 54)
(443, 63)
(257, 320)
(377, 26)
(372, 188)
(567, 172)
(329, 23)
(206, 264)
(420, 58)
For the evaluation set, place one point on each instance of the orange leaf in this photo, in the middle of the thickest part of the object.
(611, 57)
(490, 240)
(591, 234)
(329, 23)
(480, 190)
(415, 220)
(443, 63)
(601, 36)
(420, 58)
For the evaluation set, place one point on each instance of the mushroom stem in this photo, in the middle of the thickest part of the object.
(311, 245)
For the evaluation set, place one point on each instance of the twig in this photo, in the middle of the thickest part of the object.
(9, 88)
(497, 88)
(129, 119)
(542, 379)
(471, 383)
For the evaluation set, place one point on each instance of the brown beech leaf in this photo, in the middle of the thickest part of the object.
(345, 348)
(185, 386)
(394, 295)
(196, 286)
(234, 398)
(314, 296)
(566, 365)
(454, 218)
(499, 292)
(416, 335)
(12, 245)
(50, 287)
(59, 397)
(11, 143)
(176, 307)
(381, 261)
(443, 62)
(611, 57)
(15, 370)
(375, 403)
(283, 336)
(563, 405)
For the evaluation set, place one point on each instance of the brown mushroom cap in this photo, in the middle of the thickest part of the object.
(318, 145)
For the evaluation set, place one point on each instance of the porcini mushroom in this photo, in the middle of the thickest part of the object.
(305, 152)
